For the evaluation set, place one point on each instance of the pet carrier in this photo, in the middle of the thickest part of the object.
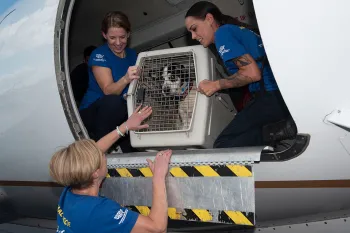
(182, 117)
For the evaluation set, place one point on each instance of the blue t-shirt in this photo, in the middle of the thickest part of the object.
(232, 41)
(88, 214)
(103, 56)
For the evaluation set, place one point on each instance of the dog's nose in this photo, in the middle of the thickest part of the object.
(167, 90)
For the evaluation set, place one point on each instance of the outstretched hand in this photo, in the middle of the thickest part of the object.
(135, 120)
(160, 165)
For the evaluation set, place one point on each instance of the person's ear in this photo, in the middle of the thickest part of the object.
(95, 174)
(104, 35)
(209, 18)
(128, 35)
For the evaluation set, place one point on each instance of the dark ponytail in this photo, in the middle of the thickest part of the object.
(200, 10)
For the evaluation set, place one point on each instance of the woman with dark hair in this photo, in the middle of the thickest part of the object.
(111, 69)
(243, 55)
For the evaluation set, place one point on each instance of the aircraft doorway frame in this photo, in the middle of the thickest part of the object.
(62, 26)
(71, 111)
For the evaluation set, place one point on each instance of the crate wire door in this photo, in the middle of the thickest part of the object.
(168, 84)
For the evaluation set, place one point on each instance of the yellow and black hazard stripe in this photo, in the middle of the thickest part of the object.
(187, 171)
(212, 171)
(237, 217)
(130, 172)
(145, 210)
(203, 215)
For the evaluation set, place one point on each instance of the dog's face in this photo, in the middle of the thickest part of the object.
(174, 76)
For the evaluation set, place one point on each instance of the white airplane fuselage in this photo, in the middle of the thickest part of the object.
(307, 46)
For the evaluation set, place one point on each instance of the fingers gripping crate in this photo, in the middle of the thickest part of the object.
(182, 117)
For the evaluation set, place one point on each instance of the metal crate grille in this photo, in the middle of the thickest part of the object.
(168, 84)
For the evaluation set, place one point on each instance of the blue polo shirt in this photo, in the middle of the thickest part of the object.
(104, 57)
(88, 214)
(232, 41)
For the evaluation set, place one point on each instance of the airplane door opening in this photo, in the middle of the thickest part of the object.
(78, 26)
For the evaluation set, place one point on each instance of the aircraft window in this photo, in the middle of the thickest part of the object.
(284, 145)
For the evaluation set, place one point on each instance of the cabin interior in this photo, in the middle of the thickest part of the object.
(155, 25)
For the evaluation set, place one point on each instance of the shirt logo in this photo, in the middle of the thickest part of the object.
(99, 57)
(121, 215)
(58, 230)
(222, 50)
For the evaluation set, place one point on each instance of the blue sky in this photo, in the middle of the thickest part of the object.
(25, 47)
(5, 4)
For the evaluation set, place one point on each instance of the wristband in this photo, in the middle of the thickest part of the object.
(119, 132)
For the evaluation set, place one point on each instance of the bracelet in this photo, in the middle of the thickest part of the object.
(119, 132)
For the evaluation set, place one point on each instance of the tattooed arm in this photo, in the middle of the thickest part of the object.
(248, 73)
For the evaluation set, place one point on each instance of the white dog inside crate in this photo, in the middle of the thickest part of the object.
(178, 84)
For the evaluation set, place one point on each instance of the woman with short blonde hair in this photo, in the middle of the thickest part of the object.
(81, 167)
(72, 166)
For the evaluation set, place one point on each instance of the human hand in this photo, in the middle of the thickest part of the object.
(160, 165)
(208, 88)
(132, 73)
(135, 120)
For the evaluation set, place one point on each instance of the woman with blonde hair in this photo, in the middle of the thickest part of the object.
(81, 167)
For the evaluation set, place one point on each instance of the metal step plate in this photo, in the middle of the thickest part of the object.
(215, 188)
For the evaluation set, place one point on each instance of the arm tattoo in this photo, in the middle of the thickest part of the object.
(234, 81)
(241, 61)
(238, 79)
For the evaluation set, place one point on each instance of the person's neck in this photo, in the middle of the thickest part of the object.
(121, 55)
(93, 190)
(215, 27)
